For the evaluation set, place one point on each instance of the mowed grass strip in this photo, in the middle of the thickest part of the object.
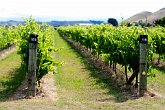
(11, 75)
(80, 86)
(78, 82)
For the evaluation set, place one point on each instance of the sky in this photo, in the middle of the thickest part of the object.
(76, 9)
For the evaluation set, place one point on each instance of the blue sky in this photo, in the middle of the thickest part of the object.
(77, 9)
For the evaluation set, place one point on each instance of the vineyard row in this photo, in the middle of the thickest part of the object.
(117, 44)
(20, 35)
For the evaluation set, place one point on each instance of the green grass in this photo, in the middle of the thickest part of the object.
(79, 84)
(157, 83)
(11, 75)
(81, 87)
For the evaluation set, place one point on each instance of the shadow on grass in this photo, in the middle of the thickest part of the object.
(160, 68)
(106, 82)
(101, 79)
(8, 86)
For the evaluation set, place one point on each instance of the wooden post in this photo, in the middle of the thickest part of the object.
(143, 64)
(32, 65)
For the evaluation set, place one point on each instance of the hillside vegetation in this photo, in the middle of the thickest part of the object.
(146, 16)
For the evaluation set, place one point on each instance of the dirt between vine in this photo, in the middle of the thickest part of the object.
(7, 51)
(46, 90)
(129, 91)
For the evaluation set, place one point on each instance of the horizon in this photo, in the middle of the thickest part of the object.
(49, 19)
(73, 10)
(39, 19)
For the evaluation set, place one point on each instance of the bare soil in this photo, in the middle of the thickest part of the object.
(160, 65)
(46, 90)
(7, 51)
(129, 91)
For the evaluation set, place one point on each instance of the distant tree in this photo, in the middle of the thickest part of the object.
(149, 25)
(139, 23)
(112, 21)
(160, 22)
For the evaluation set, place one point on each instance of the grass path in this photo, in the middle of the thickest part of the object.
(78, 85)
(79, 88)
(11, 75)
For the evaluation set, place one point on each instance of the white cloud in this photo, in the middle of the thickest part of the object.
(77, 8)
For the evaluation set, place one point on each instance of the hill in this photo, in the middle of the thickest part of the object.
(53, 23)
(140, 16)
(157, 15)
(147, 16)
(11, 23)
